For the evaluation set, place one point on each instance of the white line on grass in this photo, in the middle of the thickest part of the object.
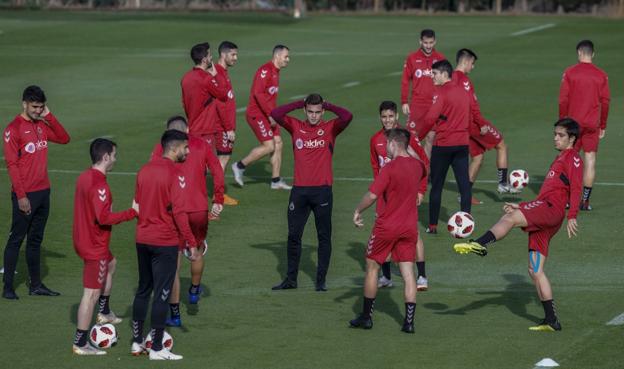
(241, 109)
(533, 29)
(105, 136)
(618, 320)
(394, 74)
(297, 97)
(351, 84)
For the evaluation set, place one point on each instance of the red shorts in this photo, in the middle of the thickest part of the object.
(543, 222)
(198, 221)
(94, 272)
(211, 139)
(261, 127)
(403, 249)
(482, 143)
(223, 145)
(588, 141)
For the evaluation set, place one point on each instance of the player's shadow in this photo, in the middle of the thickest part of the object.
(22, 275)
(306, 264)
(257, 173)
(516, 296)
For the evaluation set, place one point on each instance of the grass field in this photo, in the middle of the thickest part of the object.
(118, 75)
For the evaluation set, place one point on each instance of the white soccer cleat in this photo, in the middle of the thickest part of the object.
(163, 354)
(138, 349)
(86, 350)
(506, 188)
(384, 282)
(238, 174)
(422, 284)
(108, 318)
(280, 185)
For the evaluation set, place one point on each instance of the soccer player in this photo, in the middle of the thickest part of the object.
(26, 154)
(163, 221)
(395, 232)
(226, 111)
(193, 169)
(450, 114)
(417, 70)
(389, 117)
(93, 221)
(313, 147)
(262, 100)
(202, 87)
(484, 135)
(584, 96)
(543, 217)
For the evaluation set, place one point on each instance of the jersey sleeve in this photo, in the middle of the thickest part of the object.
(380, 183)
(11, 157)
(564, 95)
(280, 114)
(406, 78)
(55, 131)
(432, 116)
(344, 117)
(180, 216)
(261, 94)
(217, 87)
(575, 174)
(218, 181)
(373, 158)
(605, 99)
(103, 205)
(156, 152)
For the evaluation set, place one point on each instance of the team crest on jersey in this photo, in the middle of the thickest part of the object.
(102, 194)
(418, 73)
(30, 148)
(299, 144)
(181, 181)
(7, 136)
(39, 130)
(320, 132)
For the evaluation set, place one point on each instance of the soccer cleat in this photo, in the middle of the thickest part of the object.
(286, 284)
(361, 322)
(228, 200)
(9, 294)
(408, 328)
(545, 326)
(585, 206)
(108, 318)
(280, 185)
(138, 349)
(87, 349)
(163, 354)
(194, 297)
(432, 229)
(506, 188)
(42, 290)
(384, 282)
(471, 246)
(238, 174)
(174, 321)
(422, 284)
(321, 287)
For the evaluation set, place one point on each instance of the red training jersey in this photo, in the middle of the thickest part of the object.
(450, 114)
(397, 186)
(263, 94)
(584, 95)
(200, 92)
(93, 215)
(313, 145)
(200, 158)
(26, 152)
(226, 110)
(476, 118)
(564, 182)
(160, 193)
(379, 155)
(417, 71)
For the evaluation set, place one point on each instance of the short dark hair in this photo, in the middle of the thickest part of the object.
(99, 147)
(387, 105)
(279, 48)
(571, 126)
(33, 94)
(172, 138)
(585, 47)
(199, 51)
(465, 53)
(177, 121)
(443, 66)
(429, 33)
(226, 46)
(313, 99)
(400, 135)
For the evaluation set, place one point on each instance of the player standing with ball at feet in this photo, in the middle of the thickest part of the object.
(542, 217)
(93, 221)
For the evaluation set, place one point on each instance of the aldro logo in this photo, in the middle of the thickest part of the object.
(31, 147)
(419, 73)
(309, 144)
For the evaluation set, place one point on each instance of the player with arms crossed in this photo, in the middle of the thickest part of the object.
(484, 135)
(389, 117)
(93, 221)
(395, 232)
(262, 100)
(193, 169)
(584, 96)
(417, 72)
(543, 217)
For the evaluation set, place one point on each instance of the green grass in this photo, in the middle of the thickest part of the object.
(118, 74)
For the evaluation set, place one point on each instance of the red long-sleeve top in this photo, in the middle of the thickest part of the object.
(263, 94)
(226, 111)
(584, 95)
(564, 182)
(417, 72)
(450, 114)
(200, 92)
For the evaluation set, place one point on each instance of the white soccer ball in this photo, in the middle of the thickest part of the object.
(518, 179)
(203, 248)
(167, 341)
(461, 224)
(103, 335)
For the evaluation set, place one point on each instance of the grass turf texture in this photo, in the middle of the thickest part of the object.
(118, 75)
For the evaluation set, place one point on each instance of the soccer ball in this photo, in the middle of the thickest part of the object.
(103, 335)
(461, 224)
(518, 179)
(167, 341)
(203, 248)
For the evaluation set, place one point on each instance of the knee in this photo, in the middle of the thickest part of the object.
(477, 160)
(277, 140)
(269, 146)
